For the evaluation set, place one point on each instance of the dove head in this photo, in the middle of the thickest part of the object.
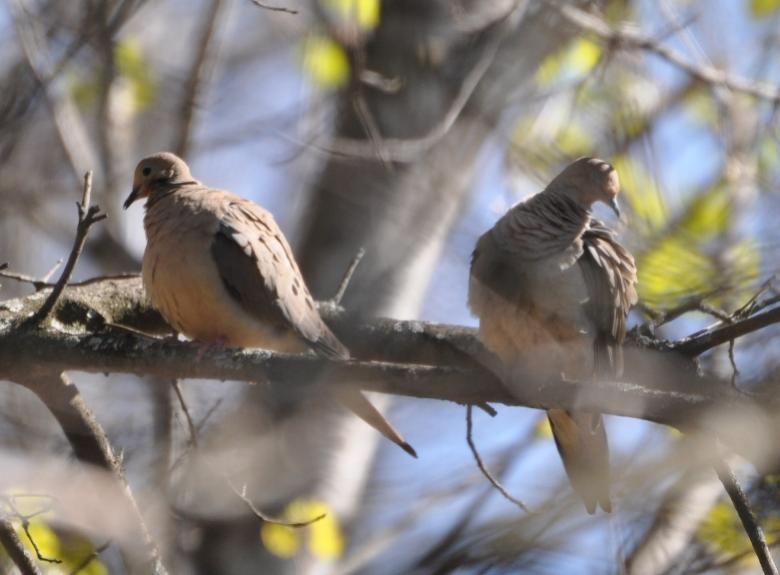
(161, 171)
(589, 180)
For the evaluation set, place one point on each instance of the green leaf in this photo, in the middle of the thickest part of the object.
(642, 194)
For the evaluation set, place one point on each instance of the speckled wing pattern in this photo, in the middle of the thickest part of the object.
(610, 276)
(258, 270)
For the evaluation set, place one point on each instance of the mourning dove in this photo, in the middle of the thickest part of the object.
(552, 289)
(219, 270)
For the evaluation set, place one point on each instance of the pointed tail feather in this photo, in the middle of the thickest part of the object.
(365, 410)
(582, 444)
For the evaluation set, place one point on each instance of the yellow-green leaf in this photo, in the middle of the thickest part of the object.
(763, 8)
(641, 192)
(323, 538)
(325, 61)
(365, 13)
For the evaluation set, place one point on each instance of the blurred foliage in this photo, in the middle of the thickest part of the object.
(67, 549)
(131, 66)
(576, 59)
(323, 538)
(722, 530)
(763, 8)
(364, 13)
(325, 61)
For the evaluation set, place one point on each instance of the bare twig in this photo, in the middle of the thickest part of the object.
(749, 521)
(15, 548)
(265, 6)
(263, 516)
(721, 333)
(242, 492)
(47, 276)
(198, 77)
(629, 38)
(90, 444)
(88, 215)
(408, 150)
(38, 284)
(190, 425)
(733, 361)
(345, 281)
(481, 464)
(90, 558)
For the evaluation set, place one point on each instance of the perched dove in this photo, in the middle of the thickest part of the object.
(220, 270)
(552, 289)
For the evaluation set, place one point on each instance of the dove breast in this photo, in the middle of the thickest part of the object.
(184, 283)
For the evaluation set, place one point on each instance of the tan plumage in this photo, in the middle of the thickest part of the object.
(552, 289)
(219, 269)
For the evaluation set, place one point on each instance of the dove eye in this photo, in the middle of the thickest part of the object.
(146, 171)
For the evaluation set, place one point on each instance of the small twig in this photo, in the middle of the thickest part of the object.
(199, 76)
(15, 548)
(88, 215)
(733, 361)
(47, 276)
(265, 6)
(702, 341)
(484, 469)
(628, 38)
(749, 521)
(90, 558)
(26, 528)
(751, 306)
(25, 521)
(38, 284)
(187, 416)
(345, 281)
(267, 518)
(241, 493)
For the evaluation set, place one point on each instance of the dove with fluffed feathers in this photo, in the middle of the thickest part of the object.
(219, 270)
(552, 289)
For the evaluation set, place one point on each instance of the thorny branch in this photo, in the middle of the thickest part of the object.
(88, 215)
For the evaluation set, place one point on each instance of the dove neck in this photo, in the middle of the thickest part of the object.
(163, 191)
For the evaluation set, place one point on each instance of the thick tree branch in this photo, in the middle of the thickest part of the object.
(428, 361)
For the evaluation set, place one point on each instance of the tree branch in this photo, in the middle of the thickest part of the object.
(15, 549)
(630, 38)
(722, 332)
(749, 521)
(88, 215)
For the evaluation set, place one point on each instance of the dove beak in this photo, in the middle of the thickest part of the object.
(132, 197)
(615, 207)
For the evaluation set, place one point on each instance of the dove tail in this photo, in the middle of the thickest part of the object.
(582, 444)
(365, 410)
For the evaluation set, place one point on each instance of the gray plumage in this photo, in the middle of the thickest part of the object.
(552, 288)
